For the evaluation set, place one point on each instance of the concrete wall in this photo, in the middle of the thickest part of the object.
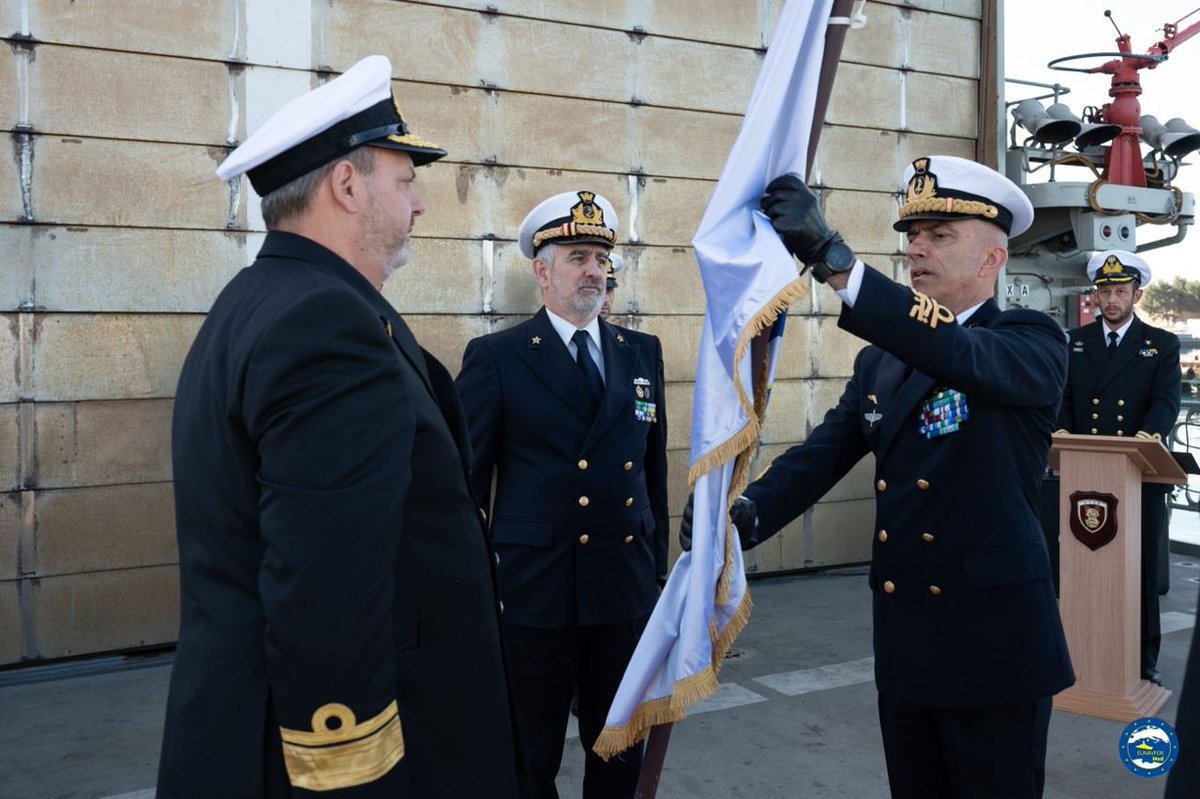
(115, 236)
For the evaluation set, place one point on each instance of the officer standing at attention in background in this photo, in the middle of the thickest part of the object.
(340, 628)
(1124, 380)
(567, 413)
(615, 264)
(957, 400)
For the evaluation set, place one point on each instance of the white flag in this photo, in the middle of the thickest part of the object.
(749, 280)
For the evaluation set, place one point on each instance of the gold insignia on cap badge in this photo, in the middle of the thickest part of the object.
(923, 184)
(1112, 266)
(586, 212)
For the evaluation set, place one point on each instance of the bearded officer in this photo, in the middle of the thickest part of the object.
(1124, 380)
(567, 414)
(957, 401)
(340, 628)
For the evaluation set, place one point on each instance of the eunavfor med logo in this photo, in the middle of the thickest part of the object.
(1148, 747)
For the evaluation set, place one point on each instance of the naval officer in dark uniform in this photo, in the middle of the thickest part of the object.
(567, 414)
(1124, 380)
(957, 401)
(340, 626)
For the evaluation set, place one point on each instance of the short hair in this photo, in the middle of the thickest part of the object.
(546, 252)
(293, 197)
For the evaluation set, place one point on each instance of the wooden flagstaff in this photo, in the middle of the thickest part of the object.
(835, 37)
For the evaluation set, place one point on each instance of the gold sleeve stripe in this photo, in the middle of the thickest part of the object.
(352, 754)
(1153, 436)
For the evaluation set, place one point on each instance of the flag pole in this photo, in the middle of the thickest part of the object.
(835, 37)
(655, 754)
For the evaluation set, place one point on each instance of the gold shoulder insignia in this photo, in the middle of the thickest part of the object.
(535, 340)
(928, 311)
(620, 338)
(346, 754)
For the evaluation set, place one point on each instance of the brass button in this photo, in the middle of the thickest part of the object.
(628, 539)
(582, 465)
(1120, 432)
(933, 589)
(1121, 403)
(889, 587)
(926, 537)
(628, 466)
(881, 485)
(1095, 401)
(1094, 431)
(922, 484)
(1120, 418)
(882, 536)
(1095, 416)
(583, 539)
(583, 502)
(629, 502)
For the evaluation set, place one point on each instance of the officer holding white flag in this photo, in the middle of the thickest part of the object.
(957, 400)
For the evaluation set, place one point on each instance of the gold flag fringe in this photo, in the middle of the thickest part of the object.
(698, 687)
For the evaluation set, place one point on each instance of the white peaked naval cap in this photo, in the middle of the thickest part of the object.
(354, 109)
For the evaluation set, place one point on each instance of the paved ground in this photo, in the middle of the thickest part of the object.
(795, 717)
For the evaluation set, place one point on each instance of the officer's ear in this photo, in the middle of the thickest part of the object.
(1137, 295)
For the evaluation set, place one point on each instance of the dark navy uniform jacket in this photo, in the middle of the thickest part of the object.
(580, 512)
(333, 562)
(964, 607)
(1135, 390)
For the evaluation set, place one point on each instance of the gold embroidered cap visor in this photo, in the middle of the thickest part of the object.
(948, 187)
(350, 111)
(582, 216)
(1118, 266)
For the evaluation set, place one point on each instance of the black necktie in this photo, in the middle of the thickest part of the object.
(591, 374)
(1112, 343)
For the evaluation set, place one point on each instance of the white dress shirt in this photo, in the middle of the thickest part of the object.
(566, 330)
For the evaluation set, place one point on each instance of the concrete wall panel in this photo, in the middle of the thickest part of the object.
(78, 91)
(446, 337)
(121, 270)
(10, 536)
(10, 448)
(104, 611)
(11, 641)
(147, 26)
(103, 443)
(128, 184)
(11, 388)
(110, 356)
(104, 528)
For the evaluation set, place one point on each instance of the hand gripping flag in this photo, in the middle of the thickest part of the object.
(749, 280)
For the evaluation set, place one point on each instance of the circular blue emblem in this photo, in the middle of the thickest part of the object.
(1148, 747)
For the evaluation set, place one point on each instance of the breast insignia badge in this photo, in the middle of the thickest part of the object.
(872, 416)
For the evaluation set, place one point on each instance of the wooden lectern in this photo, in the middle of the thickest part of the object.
(1100, 569)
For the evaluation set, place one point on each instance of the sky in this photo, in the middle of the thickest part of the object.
(1038, 31)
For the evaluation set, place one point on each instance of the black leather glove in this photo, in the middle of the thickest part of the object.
(743, 514)
(796, 216)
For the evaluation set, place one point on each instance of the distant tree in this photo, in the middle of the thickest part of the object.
(1173, 299)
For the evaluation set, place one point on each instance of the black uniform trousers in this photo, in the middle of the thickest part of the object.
(1154, 529)
(965, 753)
(547, 668)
